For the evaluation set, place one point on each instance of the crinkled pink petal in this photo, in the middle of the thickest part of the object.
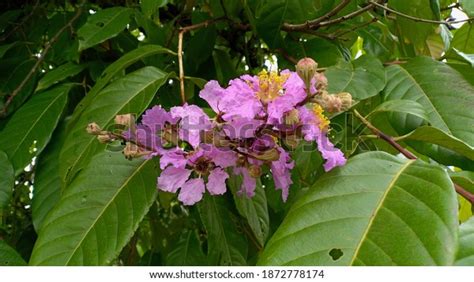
(173, 178)
(213, 94)
(309, 124)
(175, 157)
(240, 100)
(248, 184)
(281, 173)
(216, 181)
(223, 157)
(239, 127)
(193, 122)
(192, 191)
(156, 117)
(277, 108)
(333, 156)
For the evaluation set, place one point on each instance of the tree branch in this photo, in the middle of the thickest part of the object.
(418, 19)
(315, 23)
(389, 139)
(40, 60)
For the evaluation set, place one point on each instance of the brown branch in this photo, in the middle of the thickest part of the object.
(315, 23)
(25, 19)
(40, 60)
(416, 19)
(389, 139)
(343, 32)
(348, 16)
(181, 68)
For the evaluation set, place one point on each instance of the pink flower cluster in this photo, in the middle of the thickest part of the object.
(255, 116)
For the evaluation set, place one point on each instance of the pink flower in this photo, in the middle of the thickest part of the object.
(248, 182)
(281, 173)
(192, 122)
(333, 156)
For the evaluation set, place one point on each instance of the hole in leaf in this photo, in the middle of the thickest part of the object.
(100, 24)
(336, 254)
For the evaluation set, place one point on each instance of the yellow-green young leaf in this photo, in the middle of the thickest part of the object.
(364, 214)
(465, 254)
(363, 78)
(113, 70)
(9, 257)
(103, 25)
(30, 128)
(6, 181)
(98, 214)
(129, 94)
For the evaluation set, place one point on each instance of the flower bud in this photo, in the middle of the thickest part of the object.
(346, 100)
(105, 138)
(255, 171)
(93, 128)
(321, 81)
(127, 119)
(306, 69)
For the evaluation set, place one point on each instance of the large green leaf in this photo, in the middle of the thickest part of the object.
(435, 136)
(188, 251)
(254, 209)
(446, 96)
(130, 94)
(9, 257)
(6, 181)
(98, 214)
(31, 127)
(47, 188)
(114, 69)
(103, 25)
(376, 210)
(226, 245)
(58, 74)
(463, 39)
(269, 22)
(465, 254)
(464, 178)
(468, 7)
(363, 78)
(400, 106)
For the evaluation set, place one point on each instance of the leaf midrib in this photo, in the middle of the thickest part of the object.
(378, 207)
(136, 171)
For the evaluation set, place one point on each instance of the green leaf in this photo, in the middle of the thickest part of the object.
(363, 214)
(465, 256)
(401, 106)
(308, 162)
(444, 93)
(226, 245)
(187, 252)
(463, 39)
(6, 47)
(323, 51)
(253, 209)
(59, 74)
(461, 56)
(150, 7)
(113, 70)
(9, 257)
(464, 178)
(6, 181)
(103, 25)
(98, 214)
(130, 94)
(30, 128)
(47, 183)
(468, 7)
(363, 78)
(269, 21)
(435, 136)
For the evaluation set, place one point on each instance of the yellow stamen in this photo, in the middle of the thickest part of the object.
(323, 120)
(271, 85)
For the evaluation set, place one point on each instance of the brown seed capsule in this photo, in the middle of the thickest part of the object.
(321, 81)
(93, 128)
(105, 138)
(346, 100)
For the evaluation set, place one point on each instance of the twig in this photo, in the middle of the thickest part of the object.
(389, 139)
(25, 19)
(181, 68)
(348, 16)
(418, 19)
(343, 32)
(40, 60)
(287, 56)
(315, 23)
